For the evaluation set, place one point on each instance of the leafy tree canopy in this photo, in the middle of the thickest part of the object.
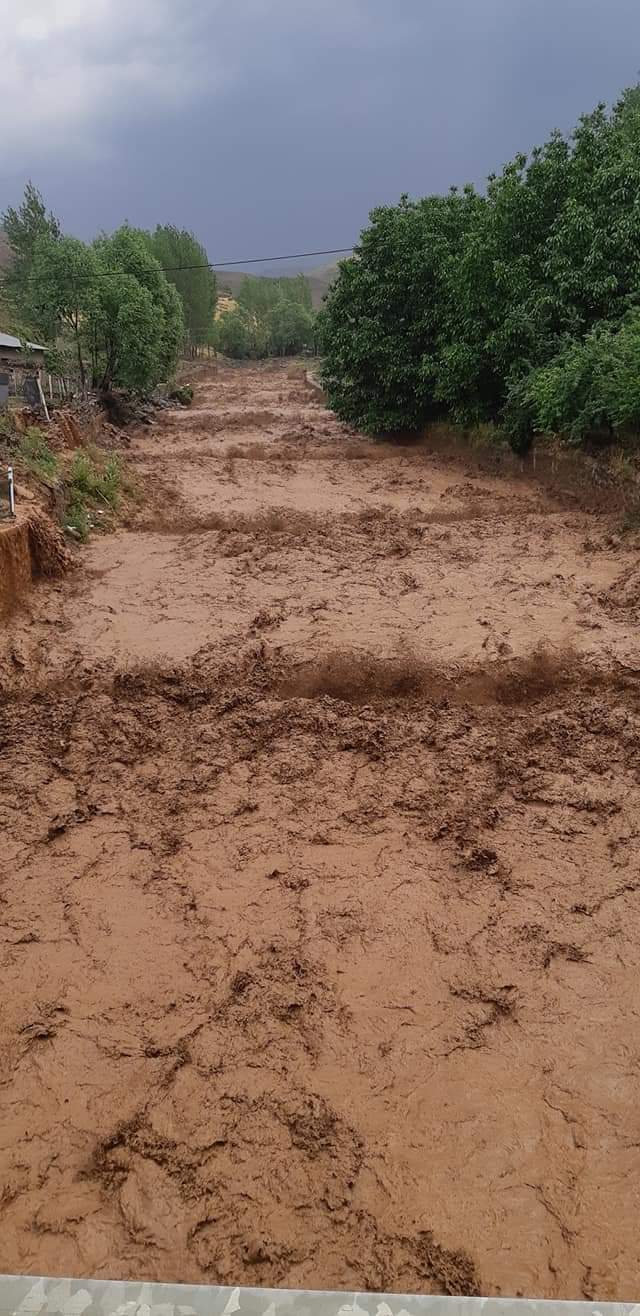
(24, 226)
(450, 304)
(185, 260)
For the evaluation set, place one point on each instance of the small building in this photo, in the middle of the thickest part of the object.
(20, 360)
(21, 353)
(10, 350)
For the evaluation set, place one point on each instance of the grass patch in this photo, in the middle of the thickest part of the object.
(94, 484)
(36, 455)
(76, 519)
(92, 488)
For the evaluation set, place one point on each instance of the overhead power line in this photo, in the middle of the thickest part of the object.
(211, 265)
(258, 260)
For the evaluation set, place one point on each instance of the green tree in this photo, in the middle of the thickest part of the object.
(136, 326)
(271, 318)
(290, 327)
(234, 335)
(61, 291)
(185, 263)
(259, 294)
(385, 315)
(456, 306)
(23, 227)
(256, 296)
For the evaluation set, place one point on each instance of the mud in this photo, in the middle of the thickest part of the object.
(15, 565)
(30, 547)
(320, 906)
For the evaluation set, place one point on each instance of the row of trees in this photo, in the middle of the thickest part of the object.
(520, 305)
(271, 317)
(124, 305)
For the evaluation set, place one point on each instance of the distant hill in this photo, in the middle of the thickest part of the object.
(319, 280)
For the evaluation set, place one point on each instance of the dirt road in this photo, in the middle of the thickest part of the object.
(320, 908)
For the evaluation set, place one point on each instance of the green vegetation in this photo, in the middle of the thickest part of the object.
(110, 303)
(273, 317)
(90, 487)
(117, 312)
(36, 455)
(107, 309)
(520, 306)
(24, 227)
(60, 290)
(134, 324)
(197, 288)
(93, 483)
(182, 394)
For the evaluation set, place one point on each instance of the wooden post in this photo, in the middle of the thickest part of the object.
(43, 403)
(50, 388)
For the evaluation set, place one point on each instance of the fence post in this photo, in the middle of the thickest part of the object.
(43, 403)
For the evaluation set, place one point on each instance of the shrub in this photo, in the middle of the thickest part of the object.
(89, 482)
(88, 487)
(183, 394)
(76, 518)
(589, 390)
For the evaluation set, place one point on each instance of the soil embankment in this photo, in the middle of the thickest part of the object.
(321, 798)
(16, 567)
(31, 547)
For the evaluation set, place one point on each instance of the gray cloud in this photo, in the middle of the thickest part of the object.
(274, 125)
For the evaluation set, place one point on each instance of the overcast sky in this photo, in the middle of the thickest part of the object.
(271, 126)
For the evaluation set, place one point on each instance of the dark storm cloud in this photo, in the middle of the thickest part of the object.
(269, 125)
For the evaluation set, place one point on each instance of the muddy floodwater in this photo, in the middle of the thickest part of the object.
(320, 898)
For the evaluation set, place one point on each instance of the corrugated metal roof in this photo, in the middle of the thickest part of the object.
(8, 340)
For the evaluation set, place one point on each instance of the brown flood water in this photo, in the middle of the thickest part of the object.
(320, 945)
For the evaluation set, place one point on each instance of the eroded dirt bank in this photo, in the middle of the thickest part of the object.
(320, 898)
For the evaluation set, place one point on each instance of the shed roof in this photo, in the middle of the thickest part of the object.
(8, 340)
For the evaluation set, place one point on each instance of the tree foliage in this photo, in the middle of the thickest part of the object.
(486, 306)
(61, 290)
(233, 336)
(589, 390)
(135, 327)
(260, 295)
(272, 317)
(110, 302)
(24, 227)
(185, 262)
